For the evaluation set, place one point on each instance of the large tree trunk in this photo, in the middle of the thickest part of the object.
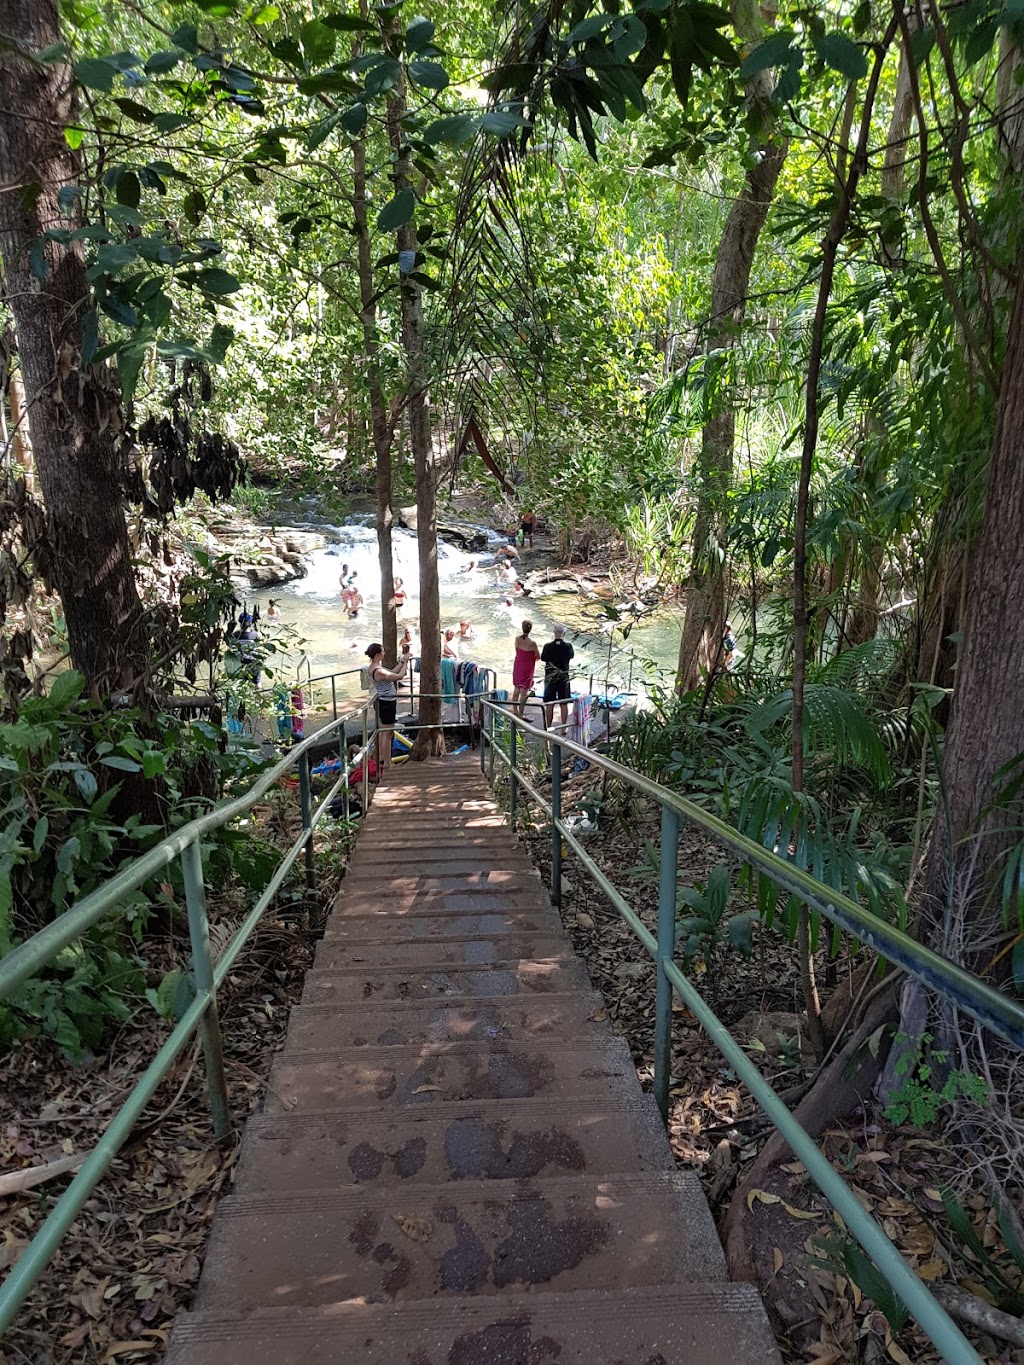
(429, 740)
(704, 620)
(74, 411)
(987, 725)
(381, 425)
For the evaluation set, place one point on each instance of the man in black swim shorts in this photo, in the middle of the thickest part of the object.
(556, 657)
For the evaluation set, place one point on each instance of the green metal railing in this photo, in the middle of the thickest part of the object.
(30, 957)
(995, 1011)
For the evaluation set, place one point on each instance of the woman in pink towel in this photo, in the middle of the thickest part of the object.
(527, 654)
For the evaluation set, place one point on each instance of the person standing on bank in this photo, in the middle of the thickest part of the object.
(385, 699)
(556, 656)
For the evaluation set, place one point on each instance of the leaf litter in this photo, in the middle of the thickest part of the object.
(132, 1258)
(715, 1126)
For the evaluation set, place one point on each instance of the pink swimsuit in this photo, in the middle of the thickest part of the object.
(522, 669)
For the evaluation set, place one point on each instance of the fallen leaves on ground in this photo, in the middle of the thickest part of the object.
(714, 1125)
(132, 1258)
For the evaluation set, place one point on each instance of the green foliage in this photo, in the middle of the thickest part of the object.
(929, 1084)
(840, 1255)
(82, 790)
(705, 931)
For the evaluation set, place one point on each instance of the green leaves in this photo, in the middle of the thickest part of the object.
(397, 212)
(455, 130)
(194, 207)
(382, 76)
(419, 34)
(429, 74)
(777, 50)
(318, 42)
(95, 73)
(353, 120)
(501, 122)
(217, 282)
(842, 55)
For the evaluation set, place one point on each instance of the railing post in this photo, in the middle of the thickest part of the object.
(668, 863)
(491, 717)
(334, 696)
(306, 807)
(556, 815)
(513, 740)
(366, 758)
(202, 972)
(483, 745)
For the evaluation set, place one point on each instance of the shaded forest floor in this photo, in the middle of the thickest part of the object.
(132, 1258)
(820, 1313)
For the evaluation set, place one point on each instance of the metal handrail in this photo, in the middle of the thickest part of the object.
(201, 1015)
(966, 991)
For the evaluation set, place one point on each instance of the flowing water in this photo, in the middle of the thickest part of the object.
(312, 607)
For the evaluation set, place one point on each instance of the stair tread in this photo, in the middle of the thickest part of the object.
(366, 981)
(471, 1237)
(401, 1076)
(461, 1140)
(452, 1019)
(685, 1324)
(456, 950)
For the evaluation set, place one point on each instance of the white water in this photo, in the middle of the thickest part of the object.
(313, 607)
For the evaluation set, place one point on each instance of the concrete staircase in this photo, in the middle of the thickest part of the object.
(455, 1164)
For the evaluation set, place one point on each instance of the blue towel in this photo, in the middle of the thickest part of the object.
(448, 688)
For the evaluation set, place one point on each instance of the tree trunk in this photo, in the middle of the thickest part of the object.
(987, 725)
(418, 405)
(703, 623)
(21, 445)
(381, 425)
(74, 411)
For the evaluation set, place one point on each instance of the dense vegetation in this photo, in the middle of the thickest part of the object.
(734, 290)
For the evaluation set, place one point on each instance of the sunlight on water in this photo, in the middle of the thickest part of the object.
(313, 607)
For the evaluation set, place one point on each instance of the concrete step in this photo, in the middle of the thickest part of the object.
(385, 879)
(473, 1237)
(699, 1324)
(420, 824)
(423, 834)
(356, 930)
(463, 1140)
(403, 1023)
(435, 981)
(363, 899)
(397, 1077)
(334, 954)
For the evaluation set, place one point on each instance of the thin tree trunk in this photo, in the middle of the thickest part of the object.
(705, 610)
(428, 740)
(381, 425)
(829, 248)
(74, 411)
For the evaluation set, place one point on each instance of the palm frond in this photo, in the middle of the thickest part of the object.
(836, 725)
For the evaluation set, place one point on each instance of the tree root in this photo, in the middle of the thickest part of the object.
(835, 1091)
(967, 1307)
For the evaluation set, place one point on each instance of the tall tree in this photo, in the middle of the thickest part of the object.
(74, 406)
(986, 730)
(382, 422)
(706, 605)
(429, 740)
